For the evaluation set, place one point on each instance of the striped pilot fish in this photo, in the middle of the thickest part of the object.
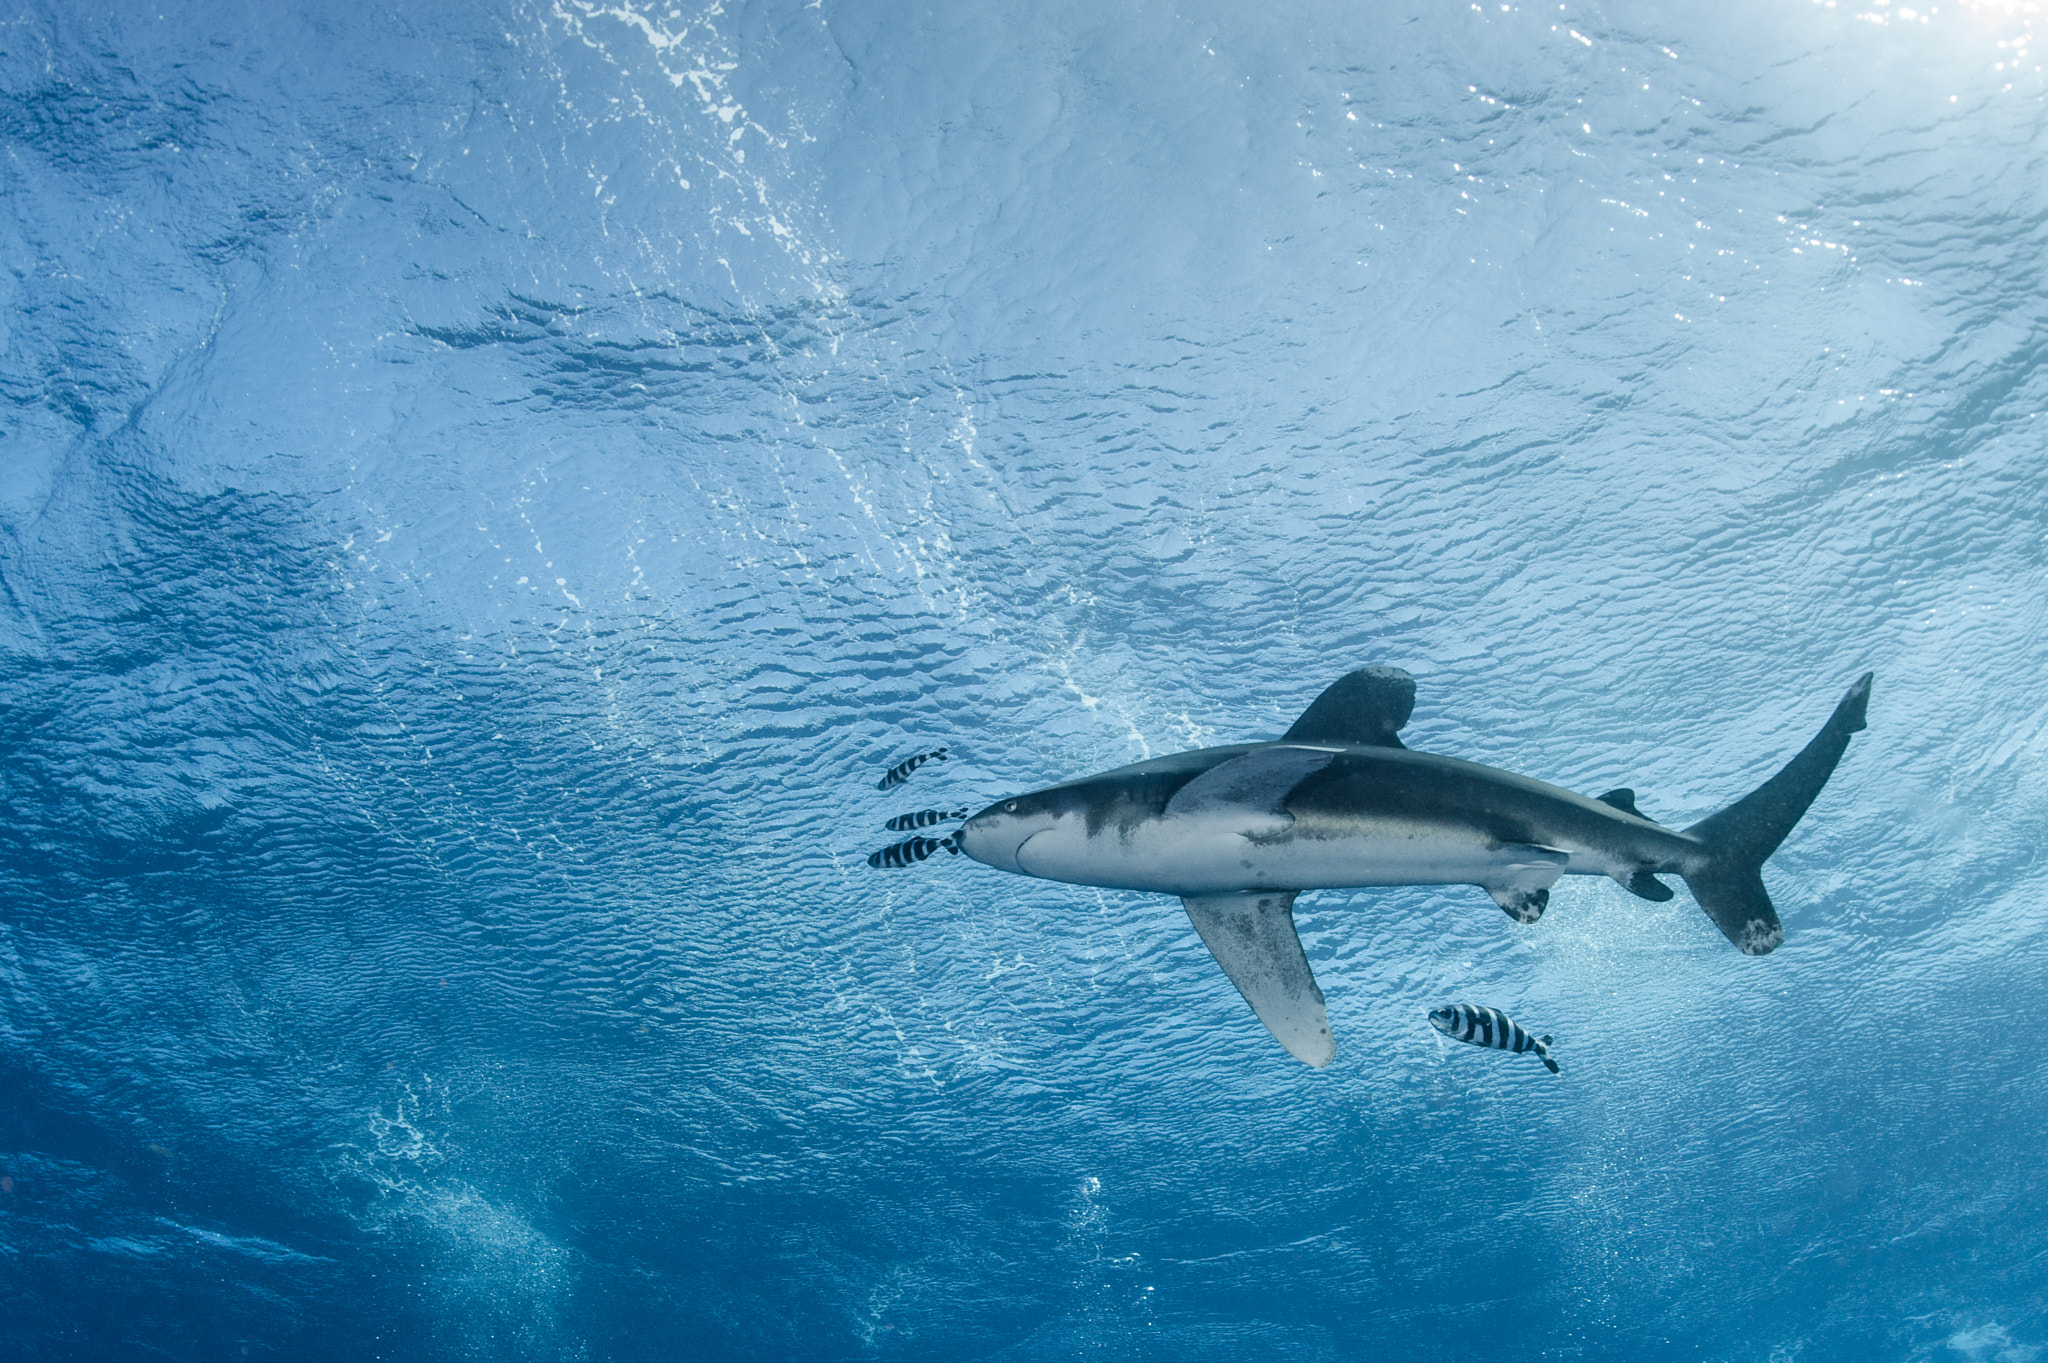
(924, 818)
(900, 773)
(1489, 1027)
(913, 850)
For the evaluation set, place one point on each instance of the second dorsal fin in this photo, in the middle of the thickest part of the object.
(1624, 800)
(1366, 706)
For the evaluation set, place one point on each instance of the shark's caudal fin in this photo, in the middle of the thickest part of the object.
(1730, 886)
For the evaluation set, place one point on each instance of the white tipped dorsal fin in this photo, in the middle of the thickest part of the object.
(1366, 706)
(1252, 937)
(1254, 783)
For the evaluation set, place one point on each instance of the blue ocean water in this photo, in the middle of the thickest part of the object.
(486, 489)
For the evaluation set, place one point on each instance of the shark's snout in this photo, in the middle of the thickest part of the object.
(996, 835)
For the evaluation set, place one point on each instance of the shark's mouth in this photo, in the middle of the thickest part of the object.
(1021, 857)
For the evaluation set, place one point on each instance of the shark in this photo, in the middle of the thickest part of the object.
(1238, 832)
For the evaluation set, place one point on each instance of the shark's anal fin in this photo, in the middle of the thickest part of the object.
(1649, 887)
(1253, 787)
(1520, 882)
(1366, 706)
(1252, 937)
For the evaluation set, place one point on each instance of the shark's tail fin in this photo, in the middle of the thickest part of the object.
(1730, 886)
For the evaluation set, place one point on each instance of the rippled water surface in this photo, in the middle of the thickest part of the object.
(486, 489)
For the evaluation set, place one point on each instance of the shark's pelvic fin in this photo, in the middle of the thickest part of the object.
(1366, 706)
(1254, 786)
(1252, 937)
(1521, 883)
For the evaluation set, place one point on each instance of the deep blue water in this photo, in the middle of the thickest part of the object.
(485, 490)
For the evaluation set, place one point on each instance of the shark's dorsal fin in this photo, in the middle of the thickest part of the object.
(1252, 937)
(1253, 783)
(1624, 800)
(1366, 706)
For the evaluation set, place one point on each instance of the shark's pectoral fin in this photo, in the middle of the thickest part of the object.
(1520, 883)
(1252, 788)
(1252, 937)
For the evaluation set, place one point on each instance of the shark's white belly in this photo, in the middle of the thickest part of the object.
(1201, 856)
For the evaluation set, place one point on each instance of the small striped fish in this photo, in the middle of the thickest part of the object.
(924, 818)
(912, 850)
(900, 773)
(1489, 1027)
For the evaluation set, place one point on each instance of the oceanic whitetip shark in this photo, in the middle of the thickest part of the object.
(1338, 802)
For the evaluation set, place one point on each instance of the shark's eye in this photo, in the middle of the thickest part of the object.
(1010, 808)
